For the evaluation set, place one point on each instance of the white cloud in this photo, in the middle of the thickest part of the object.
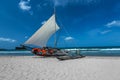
(69, 38)
(26, 37)
(105, 32)
(82, 2)
(115, 23)
(43, 22)
(24, 5)
(7, 40)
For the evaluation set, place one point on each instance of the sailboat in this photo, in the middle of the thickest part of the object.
(41, 37)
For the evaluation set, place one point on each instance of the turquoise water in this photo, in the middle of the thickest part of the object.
(15, 53)
(73, 51)
(97, 51)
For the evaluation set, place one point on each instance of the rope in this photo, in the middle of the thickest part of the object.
(68, 34)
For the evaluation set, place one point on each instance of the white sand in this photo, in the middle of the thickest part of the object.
(37, 68)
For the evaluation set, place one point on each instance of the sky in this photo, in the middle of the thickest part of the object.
(83, 23)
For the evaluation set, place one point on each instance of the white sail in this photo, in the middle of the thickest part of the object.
(41, 36)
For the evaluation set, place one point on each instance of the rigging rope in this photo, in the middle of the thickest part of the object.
(68, 34)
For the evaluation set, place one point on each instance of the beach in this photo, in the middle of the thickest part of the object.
(50, 68)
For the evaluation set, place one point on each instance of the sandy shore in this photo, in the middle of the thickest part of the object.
(37, 68)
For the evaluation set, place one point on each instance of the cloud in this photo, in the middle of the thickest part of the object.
(24, 5)
(68, 38)
(115, 23)
(26, 37)
(97, 32)
(7, 40)
(43, 22)
(66, 2)
(105, 32)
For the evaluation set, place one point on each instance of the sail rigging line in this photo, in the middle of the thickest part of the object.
(66, 31)
(58, 36)
(62, 26)
(55, 41)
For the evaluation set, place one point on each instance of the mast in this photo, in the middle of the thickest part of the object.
(55, 42)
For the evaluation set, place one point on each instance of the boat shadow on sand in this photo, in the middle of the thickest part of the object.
(61, 58)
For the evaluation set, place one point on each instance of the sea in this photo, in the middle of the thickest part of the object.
(92, 51)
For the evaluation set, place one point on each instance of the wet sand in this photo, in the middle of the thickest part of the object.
(38, 68)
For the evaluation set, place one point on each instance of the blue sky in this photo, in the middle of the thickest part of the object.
(83, 22)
